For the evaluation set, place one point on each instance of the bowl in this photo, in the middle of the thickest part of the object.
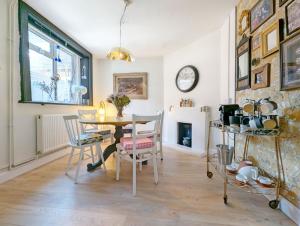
(241, 178)
(265, 180)
(233, 168)
(246, 171)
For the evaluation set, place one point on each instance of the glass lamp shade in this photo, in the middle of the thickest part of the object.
(120, 54)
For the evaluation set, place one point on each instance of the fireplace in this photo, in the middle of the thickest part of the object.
(184, 134)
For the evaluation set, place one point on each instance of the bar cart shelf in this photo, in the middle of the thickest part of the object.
(251, 186)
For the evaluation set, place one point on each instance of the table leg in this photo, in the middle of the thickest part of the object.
(109, 150)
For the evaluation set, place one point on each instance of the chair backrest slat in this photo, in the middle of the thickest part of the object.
(71, 123)
(152, 133)
(87, 114)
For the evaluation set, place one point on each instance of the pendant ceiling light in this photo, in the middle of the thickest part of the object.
(119, 53)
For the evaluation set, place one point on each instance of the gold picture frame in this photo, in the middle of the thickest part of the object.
(134, 85)
(244, 22)
(270, 38)
(260, 77)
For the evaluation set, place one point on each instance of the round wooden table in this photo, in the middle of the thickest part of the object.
(118, 123)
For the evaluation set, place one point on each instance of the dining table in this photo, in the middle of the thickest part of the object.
(118, 123)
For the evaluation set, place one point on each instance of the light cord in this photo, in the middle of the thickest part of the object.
(121, 22)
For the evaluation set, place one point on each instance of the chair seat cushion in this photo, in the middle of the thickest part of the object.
(141, 143)
(90, 138)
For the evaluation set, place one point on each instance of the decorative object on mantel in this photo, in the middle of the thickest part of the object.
(271, 38)
(243, 64)
(171, 108)
(260, 77)
(204, 109)
(292, 12)
(119, 101)
(119, 53)
(290, 63)
(260, 13)
(186, 103)
(244, 22)
(133, 85)
(187, 78)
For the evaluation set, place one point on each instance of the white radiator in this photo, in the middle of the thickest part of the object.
(51, 133)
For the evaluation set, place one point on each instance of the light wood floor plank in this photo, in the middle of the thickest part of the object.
(184, 196)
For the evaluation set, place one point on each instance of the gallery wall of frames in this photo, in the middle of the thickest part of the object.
(268, 65)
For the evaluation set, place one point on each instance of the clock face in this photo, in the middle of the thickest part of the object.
(187, 78)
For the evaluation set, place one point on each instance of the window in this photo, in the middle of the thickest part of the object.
(54, 68)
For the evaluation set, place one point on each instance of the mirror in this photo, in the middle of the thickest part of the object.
(243, 64)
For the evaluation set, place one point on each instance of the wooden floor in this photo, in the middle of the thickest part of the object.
(184, 196)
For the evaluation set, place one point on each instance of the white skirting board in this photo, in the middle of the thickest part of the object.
(285, 206)
(17, 171)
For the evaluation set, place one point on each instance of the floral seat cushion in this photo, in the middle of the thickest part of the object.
(90, 138)
(141, 143)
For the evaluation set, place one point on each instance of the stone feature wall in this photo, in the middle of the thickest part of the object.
(262, 149)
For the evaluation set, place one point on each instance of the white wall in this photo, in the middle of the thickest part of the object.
(3, 84)
(103, 81)
(204, 54)
(227, 59)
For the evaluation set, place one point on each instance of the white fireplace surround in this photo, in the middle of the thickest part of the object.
(192, 115)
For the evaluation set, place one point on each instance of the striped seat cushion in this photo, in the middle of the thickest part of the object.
(141, 143)
(101, 132)
(90, 138)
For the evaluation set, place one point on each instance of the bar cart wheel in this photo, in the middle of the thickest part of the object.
(225, 199)
(209, 174)
(274, 204)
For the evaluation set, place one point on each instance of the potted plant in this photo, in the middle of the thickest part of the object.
(120, 101)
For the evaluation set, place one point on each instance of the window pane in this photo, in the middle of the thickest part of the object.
(41, 71)
(67, 76)
(39, 42)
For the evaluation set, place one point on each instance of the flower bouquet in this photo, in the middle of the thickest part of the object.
(120, 101)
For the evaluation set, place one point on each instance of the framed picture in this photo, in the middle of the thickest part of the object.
(260, 13)
(290, 63)
(256, 42)
(260, 77)
(243, 64)
(271, 38)
(244, 22)
(292, 12)
(281, 2)
(134, 85)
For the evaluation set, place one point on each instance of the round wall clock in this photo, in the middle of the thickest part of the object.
(187, 78)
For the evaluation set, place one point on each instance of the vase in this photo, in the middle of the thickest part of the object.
(120, 112)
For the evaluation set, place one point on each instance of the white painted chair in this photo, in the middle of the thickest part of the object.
(142, 147)
(81, 142)
(92, 115)
(159, 135)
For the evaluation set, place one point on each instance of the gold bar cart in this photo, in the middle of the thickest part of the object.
(252, 186)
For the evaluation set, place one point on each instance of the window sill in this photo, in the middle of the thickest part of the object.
(50, 103)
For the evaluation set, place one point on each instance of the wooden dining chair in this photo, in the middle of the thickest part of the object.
(142, 147)
(83, 142)
(92, 115)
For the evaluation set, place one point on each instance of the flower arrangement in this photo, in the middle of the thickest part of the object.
(120, 101)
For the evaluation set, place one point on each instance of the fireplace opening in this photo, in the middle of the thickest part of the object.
(184, 134)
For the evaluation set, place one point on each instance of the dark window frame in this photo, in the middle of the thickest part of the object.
(28, 15)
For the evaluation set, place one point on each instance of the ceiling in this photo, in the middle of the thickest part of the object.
(152, 27)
